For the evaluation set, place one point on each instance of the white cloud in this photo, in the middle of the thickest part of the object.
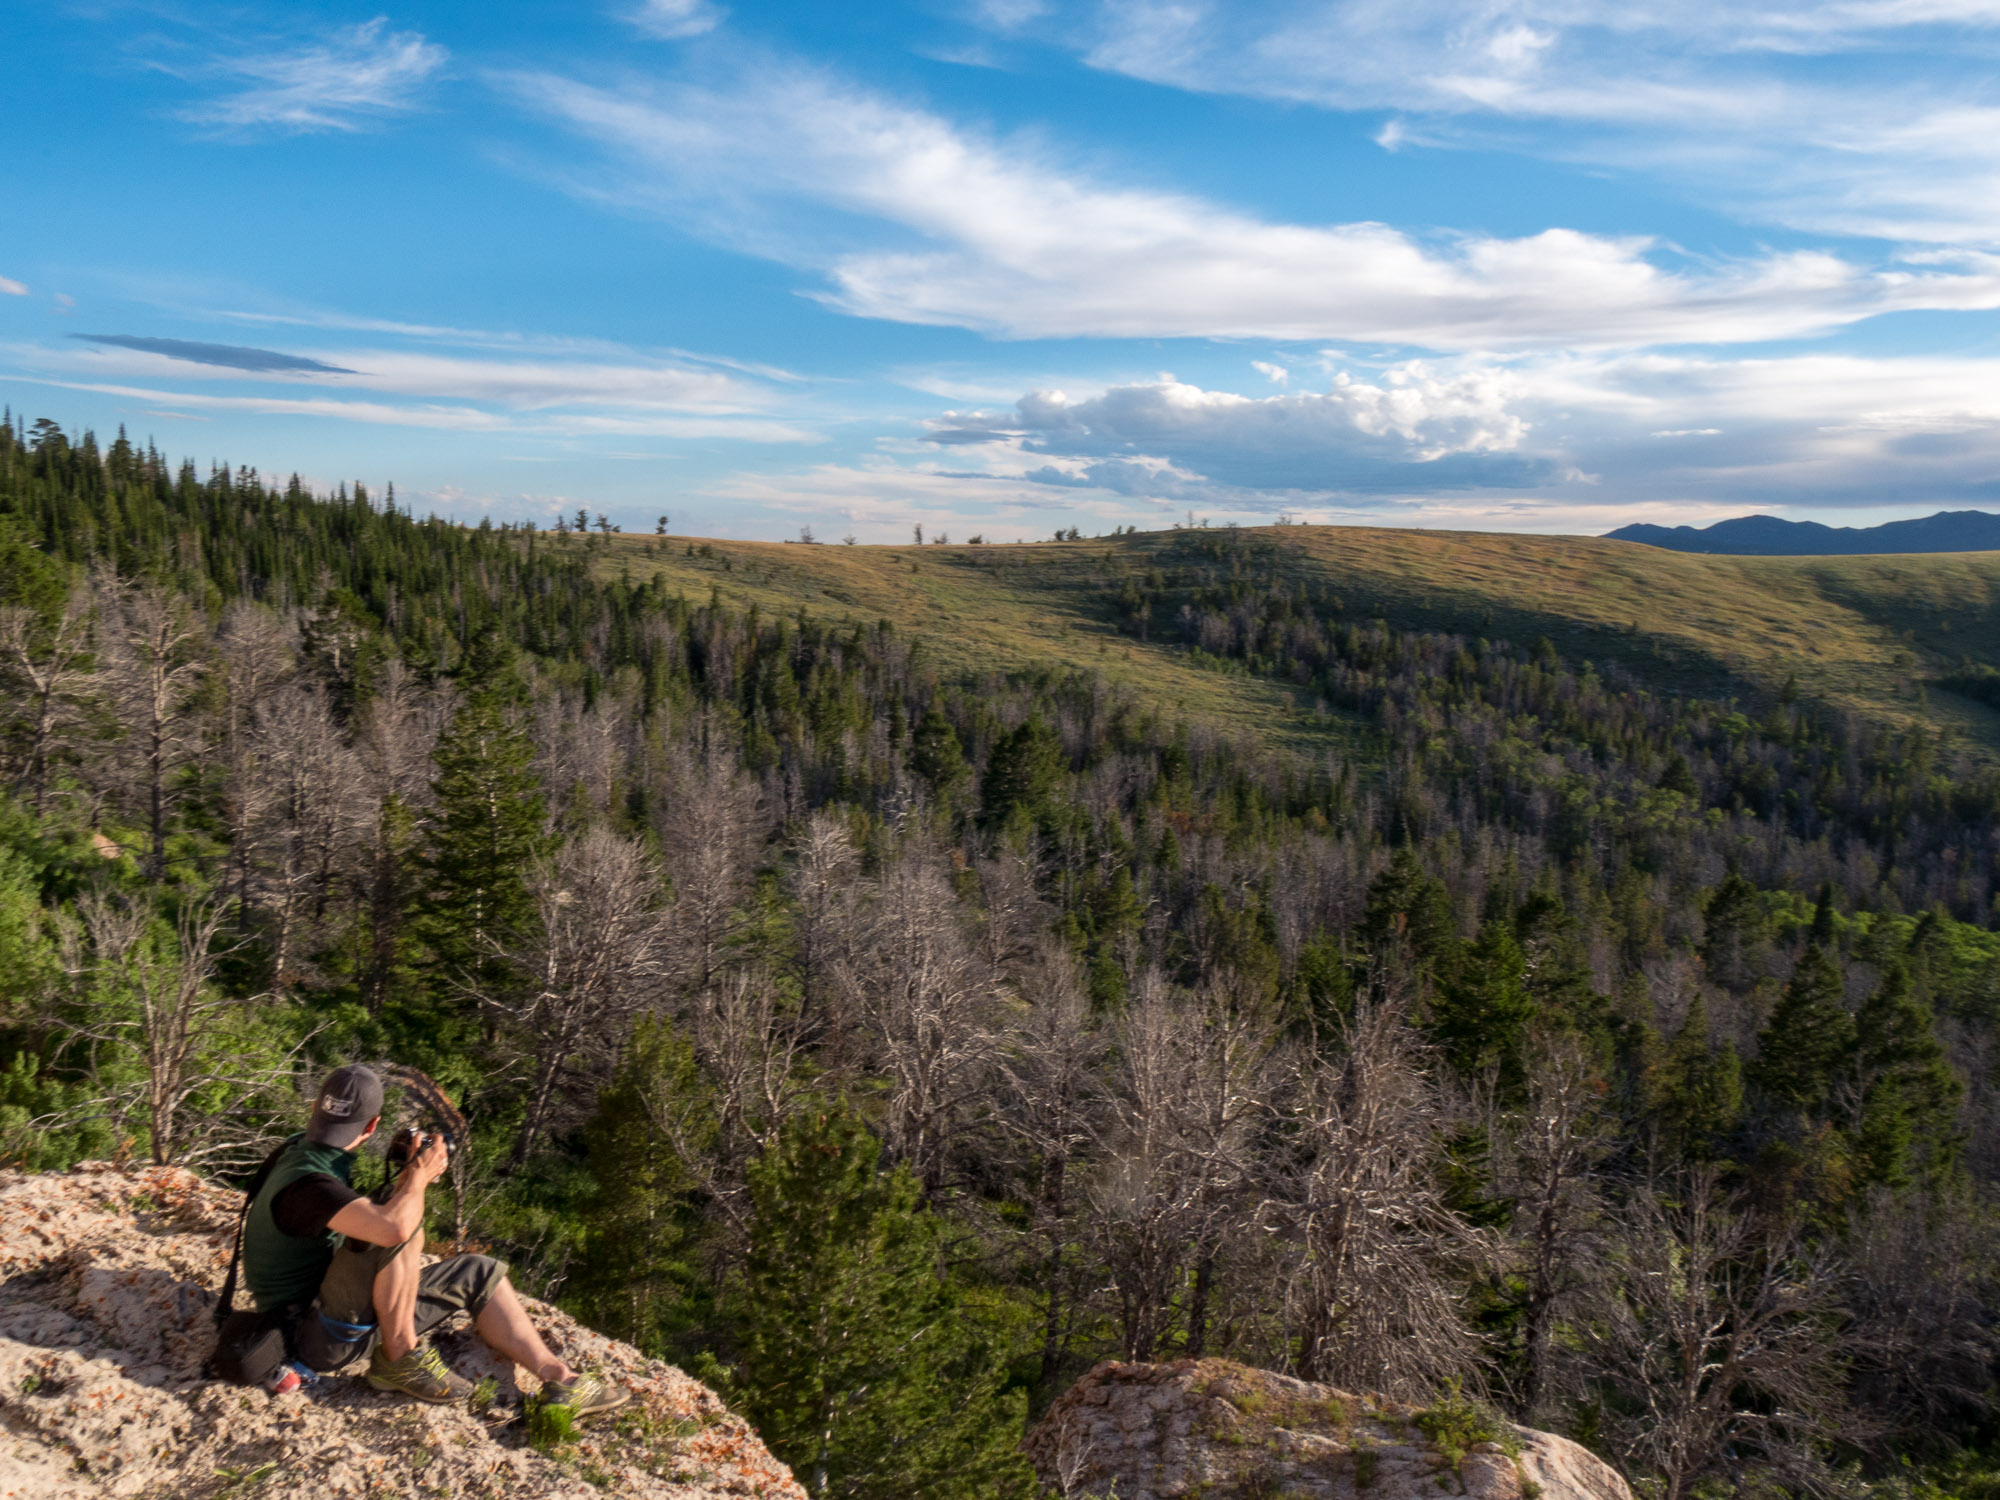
(1621, 430)
(1417, 428)
(960, 230)
(460, 418)
(358, 74)
(616, 392)
(1875, 118)
(12, 288)
(675, 20)
(521, 383)
(1276, 374)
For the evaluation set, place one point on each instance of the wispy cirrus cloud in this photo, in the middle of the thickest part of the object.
(523, 383)
(676, 20)
(220, 356)
(942, 225)
(352, 78)
(12, 288)
(1869, 118)
(458, 417)
(589, 390)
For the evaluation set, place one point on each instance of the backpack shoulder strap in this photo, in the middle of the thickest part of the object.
(226, 1303)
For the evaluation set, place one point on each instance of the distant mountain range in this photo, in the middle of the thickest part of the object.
(1768, 536)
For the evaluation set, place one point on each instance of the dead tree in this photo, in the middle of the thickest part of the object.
(1549, 1154)
(155, 654)
(50, 670)
(1720, 1339)
(1051, 1105)
(303, 792)
(1376, 1297)
(1921, 1291)
(397, 732)
(709, 833)
(1188, 1091)
(749, 1043)
(820, 879)
(926, 1003)
(205, 1090)
(595, 959)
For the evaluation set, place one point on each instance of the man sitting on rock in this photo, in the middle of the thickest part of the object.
(353, 1268)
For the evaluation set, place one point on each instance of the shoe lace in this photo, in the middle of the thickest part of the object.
(429, 1362)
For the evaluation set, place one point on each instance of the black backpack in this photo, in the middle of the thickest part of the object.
(250, 1346)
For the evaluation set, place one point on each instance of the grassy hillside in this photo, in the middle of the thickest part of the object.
(1863, 633)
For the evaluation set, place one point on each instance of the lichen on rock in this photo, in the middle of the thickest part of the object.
(1218, 1430)
(108, 1281)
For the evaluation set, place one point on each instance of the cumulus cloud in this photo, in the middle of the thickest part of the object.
(12, 288)
(1604, 430)
(357, 75)
(947, 227)
(1415, 429)
(1766, 102)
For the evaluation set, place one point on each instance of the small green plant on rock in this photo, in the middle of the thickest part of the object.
(550, 1425)
(234, 1480)
(1366, 1463)
(1456, 1424)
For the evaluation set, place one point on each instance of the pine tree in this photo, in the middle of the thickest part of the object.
(29, 579)
(935, 754)
(1735, 929)
(1698, 1100)
(860, 1363)
(637, 1278)
(1406, 905)
(1904, 1130)
(488, 826)
(1807, 1041)
(1481, 1015)
(1023, 772)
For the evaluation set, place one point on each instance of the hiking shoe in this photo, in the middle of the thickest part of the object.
(421, 1374)
(586, 1394)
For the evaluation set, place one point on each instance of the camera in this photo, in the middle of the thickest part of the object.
(408, 1143)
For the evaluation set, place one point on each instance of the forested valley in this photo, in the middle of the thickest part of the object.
(888, 1044)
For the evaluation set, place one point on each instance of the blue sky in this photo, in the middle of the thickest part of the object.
(1007, 266)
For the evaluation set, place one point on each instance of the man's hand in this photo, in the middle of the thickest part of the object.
(430, 1163)
(393, 1222)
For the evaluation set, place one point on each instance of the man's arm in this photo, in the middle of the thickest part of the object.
(395, 1221)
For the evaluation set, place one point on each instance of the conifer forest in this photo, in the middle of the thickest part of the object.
(886, 1042)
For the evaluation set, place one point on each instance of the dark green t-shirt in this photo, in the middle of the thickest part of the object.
(281, 1268)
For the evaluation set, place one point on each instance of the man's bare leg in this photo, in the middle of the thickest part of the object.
(396, 1298)
(503, 1324)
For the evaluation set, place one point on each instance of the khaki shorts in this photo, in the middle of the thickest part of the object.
(340, 1326)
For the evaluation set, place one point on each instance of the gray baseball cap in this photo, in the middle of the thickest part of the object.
(348, 1100)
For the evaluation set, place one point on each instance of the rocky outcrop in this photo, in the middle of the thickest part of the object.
(107, 1283)
(1223, 1431)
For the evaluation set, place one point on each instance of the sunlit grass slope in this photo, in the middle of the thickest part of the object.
(1862, 633)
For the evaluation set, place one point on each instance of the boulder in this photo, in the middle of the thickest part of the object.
(108, 1281)
(1223, 1431)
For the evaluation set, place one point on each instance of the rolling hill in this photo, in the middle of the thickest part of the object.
(1873, 635)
